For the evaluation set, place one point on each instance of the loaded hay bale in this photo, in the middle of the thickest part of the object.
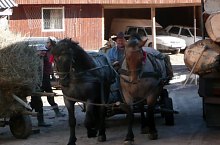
(19, 69)
(203, 57)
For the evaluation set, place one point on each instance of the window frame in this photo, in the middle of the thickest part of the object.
(187, 30)
(42, 19)
(174, 28)
(130, 27)
(142, 28)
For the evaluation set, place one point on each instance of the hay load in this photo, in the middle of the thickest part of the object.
(19, 65)
(203, 57)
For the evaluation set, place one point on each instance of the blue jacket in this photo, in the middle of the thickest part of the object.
(116, 54)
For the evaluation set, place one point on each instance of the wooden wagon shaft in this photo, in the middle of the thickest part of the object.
(21, 102)
(43, 94)
(46, 94)
(29, 113)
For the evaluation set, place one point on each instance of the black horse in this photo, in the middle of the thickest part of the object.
(84, 77)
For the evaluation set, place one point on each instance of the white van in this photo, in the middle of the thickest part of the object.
(143, 27)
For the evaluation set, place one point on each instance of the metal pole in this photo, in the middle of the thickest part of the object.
(194, 12)
(202, 20)
(153, 28)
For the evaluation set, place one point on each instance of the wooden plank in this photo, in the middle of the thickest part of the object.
(212, 100)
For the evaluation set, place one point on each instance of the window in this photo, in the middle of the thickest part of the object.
(141, 32)
(174, 30)
(148, 30)
(185, 32)
(53, 19)
(131, 30)
(161, 31)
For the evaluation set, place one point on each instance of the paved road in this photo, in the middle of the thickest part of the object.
(189, 128)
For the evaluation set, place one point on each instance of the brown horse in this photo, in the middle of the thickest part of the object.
(137, 87)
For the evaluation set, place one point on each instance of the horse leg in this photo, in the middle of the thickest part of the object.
(104, 97)
(72, 121)
(143, 119)
(101, 126)
(90, 119)
(151, 123)
(130, 118)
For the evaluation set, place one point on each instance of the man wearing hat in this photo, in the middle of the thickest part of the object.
(116, 54)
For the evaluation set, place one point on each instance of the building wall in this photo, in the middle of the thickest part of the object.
(83, 23)
(107, 1)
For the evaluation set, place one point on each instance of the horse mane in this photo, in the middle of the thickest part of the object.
(83, 60)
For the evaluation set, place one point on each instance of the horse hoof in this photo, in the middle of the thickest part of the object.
(128, 142)
(102, 138)
(71, 144)
(145, 130)
(91, 133)
(153, 136)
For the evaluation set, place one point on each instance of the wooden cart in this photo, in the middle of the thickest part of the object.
(15, 113)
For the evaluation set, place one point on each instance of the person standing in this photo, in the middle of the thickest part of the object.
(47, 72)
(36, 101)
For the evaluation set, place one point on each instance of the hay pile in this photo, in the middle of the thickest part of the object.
(19, 65)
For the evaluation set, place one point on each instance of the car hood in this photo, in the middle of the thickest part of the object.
(170, 39)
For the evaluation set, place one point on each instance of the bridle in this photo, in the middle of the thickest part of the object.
(64, 75)
(139, 70)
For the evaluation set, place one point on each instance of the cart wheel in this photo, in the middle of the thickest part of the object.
(169, 117)
(20, 126)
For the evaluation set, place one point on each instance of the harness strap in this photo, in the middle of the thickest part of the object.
(143, 74)
(92, 69)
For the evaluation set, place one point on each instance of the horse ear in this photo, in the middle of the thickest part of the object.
(68, 39)
(142, 43)
(125, 43)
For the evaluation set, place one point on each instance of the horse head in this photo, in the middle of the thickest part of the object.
(134, 56)
(70, 59)
(64, 59)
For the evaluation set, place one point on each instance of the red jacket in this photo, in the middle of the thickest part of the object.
(47, 64)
